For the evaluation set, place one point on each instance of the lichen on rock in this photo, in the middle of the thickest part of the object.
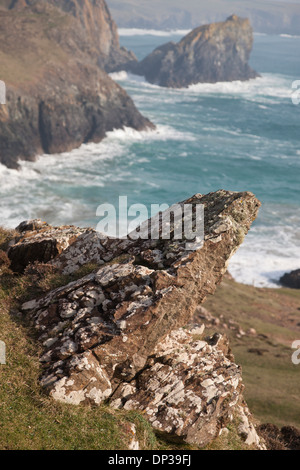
(118, 333)
(211, 53)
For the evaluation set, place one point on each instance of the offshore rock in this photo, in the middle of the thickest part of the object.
(58, 96)
(291, 279)
(115, 333)
(212, 53)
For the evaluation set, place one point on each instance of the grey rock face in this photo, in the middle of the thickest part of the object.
(291, 279)
(212, 53)
(116, 334)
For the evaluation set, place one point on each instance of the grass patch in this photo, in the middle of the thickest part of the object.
(229, 439)
(271, 379)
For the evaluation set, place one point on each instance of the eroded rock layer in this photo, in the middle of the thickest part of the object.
(217, 52)
(116, 334)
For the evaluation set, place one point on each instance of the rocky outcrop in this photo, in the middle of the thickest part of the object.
(212, 53)
(190, 390)
(58, 97)
(120, 334)
(291, 279)
(39, 242)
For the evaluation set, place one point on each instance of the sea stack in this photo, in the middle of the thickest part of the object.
(211, 53)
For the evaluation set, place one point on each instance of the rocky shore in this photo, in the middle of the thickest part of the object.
(58, 94)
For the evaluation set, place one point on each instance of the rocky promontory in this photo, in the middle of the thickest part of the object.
(212, 53)
(291, 279)
(53, 56)
(124, 333)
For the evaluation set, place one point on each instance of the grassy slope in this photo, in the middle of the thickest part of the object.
(272, 381)
(24, 59)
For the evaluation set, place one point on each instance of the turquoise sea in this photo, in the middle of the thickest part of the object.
(236, 136)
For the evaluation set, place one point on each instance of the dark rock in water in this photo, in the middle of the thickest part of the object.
(286, 438)
(57, 95)
(212, 53)
(118, 333)
(291, 279)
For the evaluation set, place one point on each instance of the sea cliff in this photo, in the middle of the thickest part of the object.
(58, 93)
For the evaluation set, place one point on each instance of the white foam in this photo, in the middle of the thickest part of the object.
(40, 189)
(259, 268)
(122, 75)
(269, 85)
(270, 249)
(266, 90)
(289, 36)
(161, 133)
(152, 32)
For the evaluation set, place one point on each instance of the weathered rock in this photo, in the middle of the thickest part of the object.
(212, 53)
(187, 389)
(107, 331)
(57, 104)
(291, 279)
(39, 241)
(190, 390)
(99, 26)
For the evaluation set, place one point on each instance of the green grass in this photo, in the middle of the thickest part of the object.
(271, 379)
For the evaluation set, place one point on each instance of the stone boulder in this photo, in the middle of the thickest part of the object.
(40, 242)
(291, 279)
(116, 333)
(217, 52)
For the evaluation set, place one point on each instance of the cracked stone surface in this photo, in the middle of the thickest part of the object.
(104, 334)
(190, 389)
(38, 241)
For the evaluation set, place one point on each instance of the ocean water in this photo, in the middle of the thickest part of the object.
(236, 136)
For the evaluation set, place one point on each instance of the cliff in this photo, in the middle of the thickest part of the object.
(124, 332)
(212, 53)
(58, 96)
